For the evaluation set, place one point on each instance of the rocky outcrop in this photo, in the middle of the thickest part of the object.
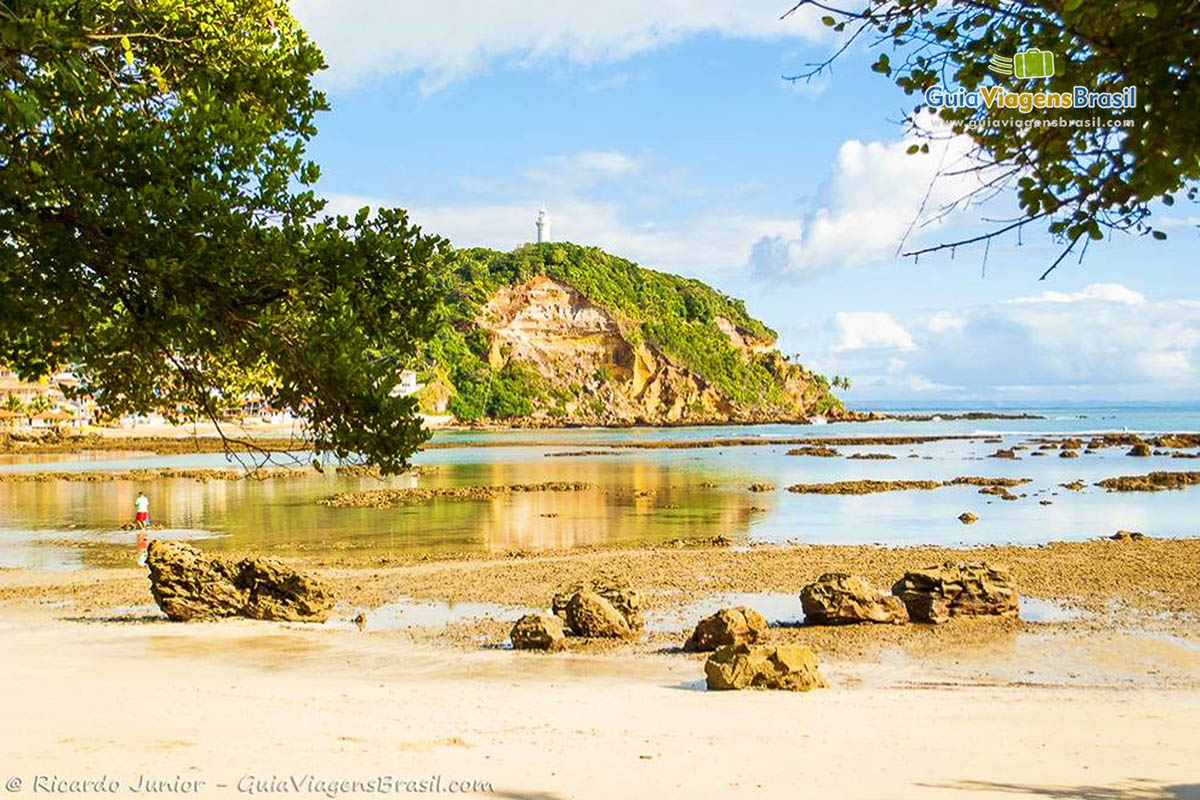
(599, 366)
(1154, 482)
(729, 626)
(538, 632)
(190, 585)
(791, 667)
(820, 451)
(968, 518)
(588, 614)
(1132, 536)
(838, 598)
(615, 591)
(551, 326)
(937, 593)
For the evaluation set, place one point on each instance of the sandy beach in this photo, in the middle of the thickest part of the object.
(1104, 702)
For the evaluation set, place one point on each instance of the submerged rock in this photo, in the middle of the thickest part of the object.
(616, 591)
(820, 450)
(589, 614)
(729, 626)
(1000, 491)
(1135, 536)
(1154, 482)
(538, 632)
(936, 593)
(188, 584)
(792, 667)
(837, 598)
(761, 487)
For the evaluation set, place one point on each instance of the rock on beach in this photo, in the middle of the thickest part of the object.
(729, 626)
(935, 594)
(838, 598)
(791, 667)
(188, 584)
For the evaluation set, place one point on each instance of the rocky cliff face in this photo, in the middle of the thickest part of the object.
(603, 374)
(576, 345)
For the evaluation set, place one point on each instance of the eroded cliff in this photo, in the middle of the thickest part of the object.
(556, 334)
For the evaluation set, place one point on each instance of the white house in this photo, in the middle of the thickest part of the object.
(407, 384)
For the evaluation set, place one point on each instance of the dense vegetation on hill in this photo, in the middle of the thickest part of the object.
(676, 316)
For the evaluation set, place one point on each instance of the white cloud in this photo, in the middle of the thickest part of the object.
(585, 194)
(1168, 221)
(869, 330)
(865, 208)
(1101, 292)
(581, 171)
(603, 162)
(1101, 342)
(451, 39)
(945, 321)
(712, 242)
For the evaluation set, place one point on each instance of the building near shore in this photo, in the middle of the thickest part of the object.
(406, 384)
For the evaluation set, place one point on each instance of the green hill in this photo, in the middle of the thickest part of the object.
(563, 334)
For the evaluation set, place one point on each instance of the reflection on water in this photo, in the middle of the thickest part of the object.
(1041, 609)
(777, 608)
(629, 502)
(406, 612)
(643, 495)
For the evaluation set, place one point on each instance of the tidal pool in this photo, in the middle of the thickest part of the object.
(635, 495)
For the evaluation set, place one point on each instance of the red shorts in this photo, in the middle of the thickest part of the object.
(142, 516)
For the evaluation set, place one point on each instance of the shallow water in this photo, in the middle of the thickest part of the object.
(638, 495)
(407, 612)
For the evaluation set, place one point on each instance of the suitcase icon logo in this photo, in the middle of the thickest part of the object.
(1027, 64)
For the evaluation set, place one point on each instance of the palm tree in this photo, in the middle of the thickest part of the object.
(36, 406)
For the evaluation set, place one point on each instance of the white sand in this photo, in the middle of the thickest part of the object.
(218, 702)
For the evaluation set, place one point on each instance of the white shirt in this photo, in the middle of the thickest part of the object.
(142, 504)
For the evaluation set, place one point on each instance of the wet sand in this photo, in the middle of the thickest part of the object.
(1105, 702)
(1149, 576)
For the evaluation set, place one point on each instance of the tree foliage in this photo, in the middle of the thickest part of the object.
(1081, 180)
(158, 235)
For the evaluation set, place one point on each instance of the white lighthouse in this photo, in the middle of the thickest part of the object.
(543, 226)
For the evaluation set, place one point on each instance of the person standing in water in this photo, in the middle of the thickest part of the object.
(141, 507)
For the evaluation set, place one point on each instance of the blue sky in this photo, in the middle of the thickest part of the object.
(663, 133)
